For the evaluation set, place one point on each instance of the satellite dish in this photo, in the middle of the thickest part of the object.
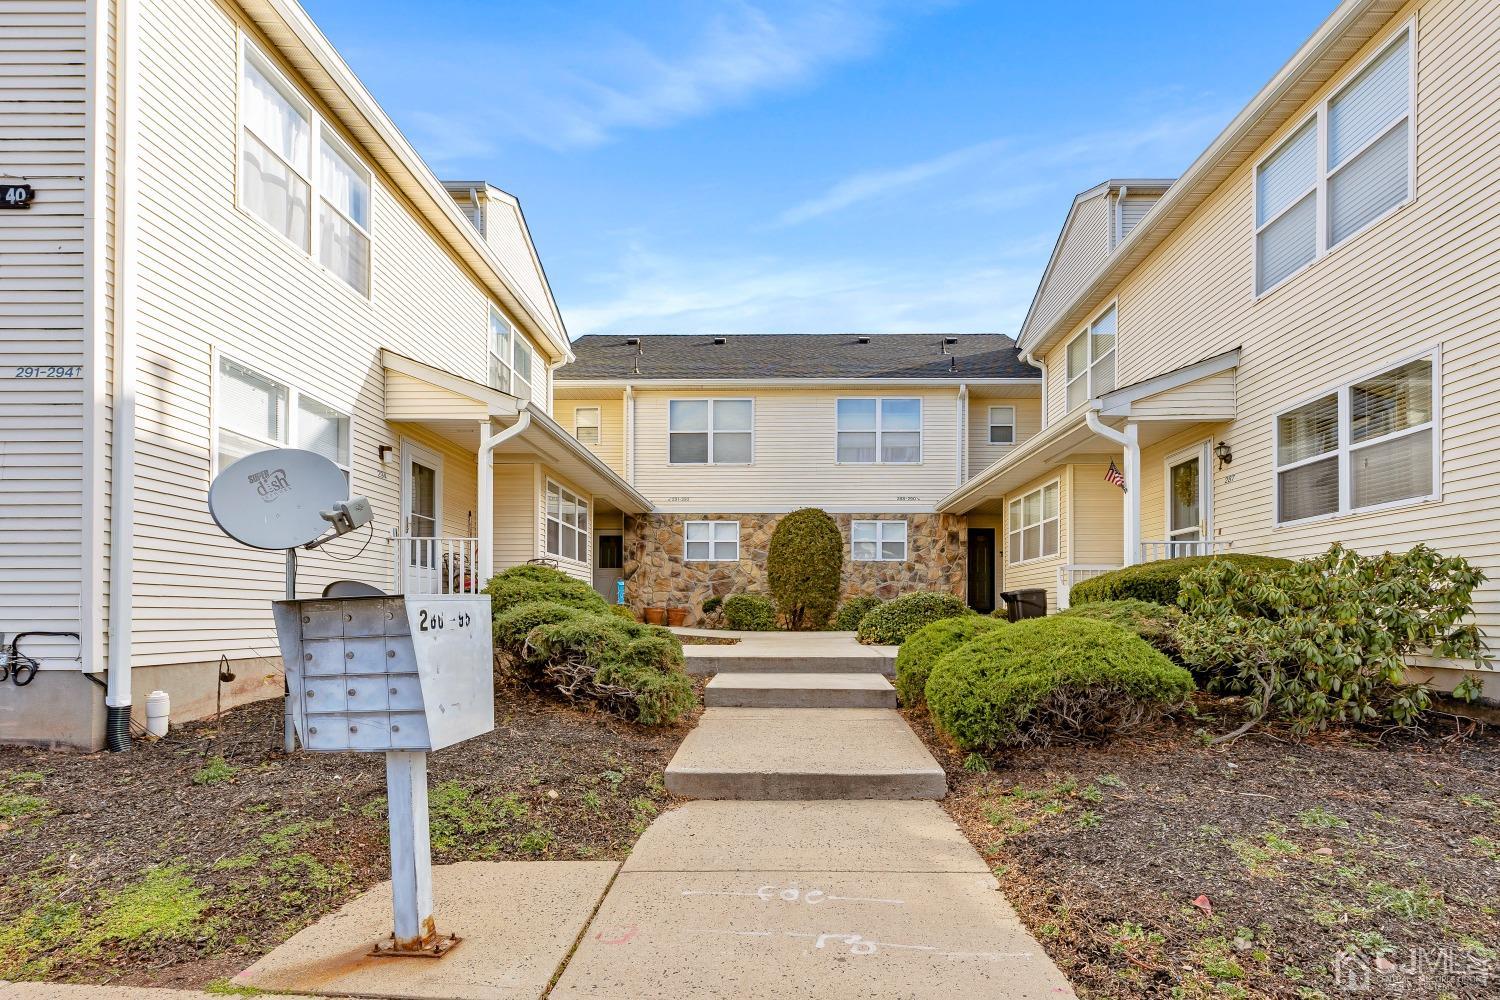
(272, 499)
(352, 588)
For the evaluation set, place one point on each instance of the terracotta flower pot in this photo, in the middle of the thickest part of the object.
(677, 617)
(656, 616)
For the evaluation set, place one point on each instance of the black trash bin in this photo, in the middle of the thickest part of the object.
(1024, 604)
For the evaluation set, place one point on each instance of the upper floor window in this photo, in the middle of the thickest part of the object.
(586, 424)
(281, 140)
(872, 541)
(510, 357)
(710, 431)
(1091, 360)
(1364, 445)
(1002, 425)
(874, 430)
(253, 412)
(1343, 169)
(567, 524)
(1034, 523)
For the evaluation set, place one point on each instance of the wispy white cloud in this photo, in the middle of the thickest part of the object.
(871, 184)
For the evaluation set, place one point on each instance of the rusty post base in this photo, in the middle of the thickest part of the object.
(434, 945)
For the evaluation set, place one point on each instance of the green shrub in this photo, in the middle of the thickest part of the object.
(892, 622)
(1325, 641)
(924, 646)
(630, 670)
(803, 567)
(712, 604)
(622, 612)
(1048, 678)
(1156, 623)
(853, 612)
(750, 613)
(515, 623)
(1158, 582)
(523, 584)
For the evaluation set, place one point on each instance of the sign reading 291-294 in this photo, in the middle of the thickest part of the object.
(16, 195)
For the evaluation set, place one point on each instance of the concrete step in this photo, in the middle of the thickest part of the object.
(753, 690)
(804, 753)
(706, 660)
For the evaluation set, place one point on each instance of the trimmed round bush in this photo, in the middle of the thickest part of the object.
(515, 623)
(1160, 581)
(1048, 678)
(893, 621)
(853, 612)
(1156, 623)
(924, 646)
(630, 670)
(749, 613)
(523, 584)
(622, 612)
(803, 567)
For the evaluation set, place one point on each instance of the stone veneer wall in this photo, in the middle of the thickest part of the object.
(656, 574)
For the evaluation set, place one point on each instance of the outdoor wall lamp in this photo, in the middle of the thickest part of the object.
(385, 452)
(1223, 453)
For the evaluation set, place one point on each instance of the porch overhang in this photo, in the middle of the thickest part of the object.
(1202, 392)
(547, 441)
(418, 393)
(1067, 441)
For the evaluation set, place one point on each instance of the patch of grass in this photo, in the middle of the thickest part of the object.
(461, 819)
(1129, 937)
(1420, 903)
(537, 841)
(284, 838)
(1487, 847)
(1261, 857)
(1370, 942)
(1087, 820)
(18, 805)
(1318, 818)
(643, 807)
(592, 802)
(1109, 781)
(238, 862)
(28, 940)
(976, 764)
(1213, 955)
(230, 988)
(1091, 794)
(166, 904)
(215, 771)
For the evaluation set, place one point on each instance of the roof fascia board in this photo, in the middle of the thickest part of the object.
(1225, 154)
(574, 449)
(1030, 449)
(1117, 402)
(284, 22)
(646, 382)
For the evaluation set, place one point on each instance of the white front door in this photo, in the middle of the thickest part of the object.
(421, 519)
(1187, 500)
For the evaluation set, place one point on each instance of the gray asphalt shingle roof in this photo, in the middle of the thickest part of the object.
(796, 355)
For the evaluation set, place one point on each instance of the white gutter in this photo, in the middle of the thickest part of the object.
(122, 466)
(805, 383)
(962, 419)
(91, 625)
(488, 442)
(1043, 366)
(1129, 439)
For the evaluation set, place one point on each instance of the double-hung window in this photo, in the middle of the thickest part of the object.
(884, 431)
(567, 524)
(586, 424)
(290, 160)
(874, 541)
(1343, 169)
(1002, 425)
(1364, 445)
(509, 357)
(711, 541)
(1034, 524)
(1091, 360)
(253, 412)
(710, 431)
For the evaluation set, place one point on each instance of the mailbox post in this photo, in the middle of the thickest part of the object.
(401, 676)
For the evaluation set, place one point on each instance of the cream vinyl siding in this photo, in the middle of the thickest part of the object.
(794, 456)
(1207, 398)
(517, 530)
(1132, 209)
(505, 233)
(1083, 248)
(611, 446)
(408, 398)
(982, 454)
(213, 275)
(1426, 275)
(43, 101)
(1098, 515)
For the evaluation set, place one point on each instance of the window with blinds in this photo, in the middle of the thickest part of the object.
(710, 431)
(1342, 170)
(1365, 445)
(1035, 520)
(253, 412)
(1091, 360)
(586, 424)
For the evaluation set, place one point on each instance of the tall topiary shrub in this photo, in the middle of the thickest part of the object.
(803, 567)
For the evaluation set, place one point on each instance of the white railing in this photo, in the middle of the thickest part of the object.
(1072, 574)
(1152, 551)
(422, 565)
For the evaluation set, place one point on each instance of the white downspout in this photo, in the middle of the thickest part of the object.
(1129, 439)
(629, 442)
(488, 442)
(122, 456)
(962, 427)
(1043, 366)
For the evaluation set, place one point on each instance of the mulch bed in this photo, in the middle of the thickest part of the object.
(181, 862)
(1158, 866)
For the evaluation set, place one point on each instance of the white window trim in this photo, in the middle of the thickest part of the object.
(1042, 489)
(880, 540)
(880, 430)
(294, 395)
(712, 402)
(1011, 423)
(585, 535)
(1319, 115)
(316, 127)
(1345, 448)
(1088, 368)
(508, 362)
(1203, 451)
(598, 423)
(711, 541)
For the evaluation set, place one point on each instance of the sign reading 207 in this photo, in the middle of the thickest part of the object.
(431, 621)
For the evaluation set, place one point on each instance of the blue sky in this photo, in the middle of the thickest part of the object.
(812, 165)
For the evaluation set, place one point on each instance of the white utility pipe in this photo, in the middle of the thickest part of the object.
(1129, 439)
(488, 442)
(122, 457)
(961, 429)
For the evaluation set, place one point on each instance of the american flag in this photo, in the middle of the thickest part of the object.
(1114, 475)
